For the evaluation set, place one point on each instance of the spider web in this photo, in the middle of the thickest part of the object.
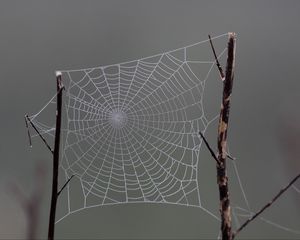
(132, 129)
(131, 132)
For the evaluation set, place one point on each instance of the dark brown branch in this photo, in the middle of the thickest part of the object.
(222, 178)
(209, 148)
(216, 59)
(269, 204)
(55, 157)
(40, 135)
(66, 183)
(28, 132)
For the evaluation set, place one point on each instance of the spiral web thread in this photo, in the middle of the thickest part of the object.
(132, 128)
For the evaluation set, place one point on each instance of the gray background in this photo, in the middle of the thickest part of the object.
(39, 37)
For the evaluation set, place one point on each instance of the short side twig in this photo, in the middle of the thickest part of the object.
(230, 157)
(66, 183)
(267, 205)
(28, 132)
(38, 132)
(209, 148)
(212, 151)
(216, 59)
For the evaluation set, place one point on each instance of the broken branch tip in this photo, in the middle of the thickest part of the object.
(58, 73)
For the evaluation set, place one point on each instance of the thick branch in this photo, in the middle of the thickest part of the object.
(40, 135)
(66, 183)
(55, 157)
(267, 205)
(222, 178)
(216, 59)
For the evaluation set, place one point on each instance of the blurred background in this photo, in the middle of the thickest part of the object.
(39, 37)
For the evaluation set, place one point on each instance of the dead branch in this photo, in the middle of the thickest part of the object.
(269, 204)
(55, 157)
(222, 178)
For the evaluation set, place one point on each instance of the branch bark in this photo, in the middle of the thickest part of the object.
(222, 178)
(55, 157)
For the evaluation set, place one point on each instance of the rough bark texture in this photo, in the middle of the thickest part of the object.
(55, 158)
(222, 178)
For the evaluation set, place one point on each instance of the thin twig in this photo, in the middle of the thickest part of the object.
(212, 151)
(269, 204)
(230, 157)
(216, 58)
(28, 132)
(66, 183)
(209, 148)
(55, 157)
(40, 135)
(222, 178)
